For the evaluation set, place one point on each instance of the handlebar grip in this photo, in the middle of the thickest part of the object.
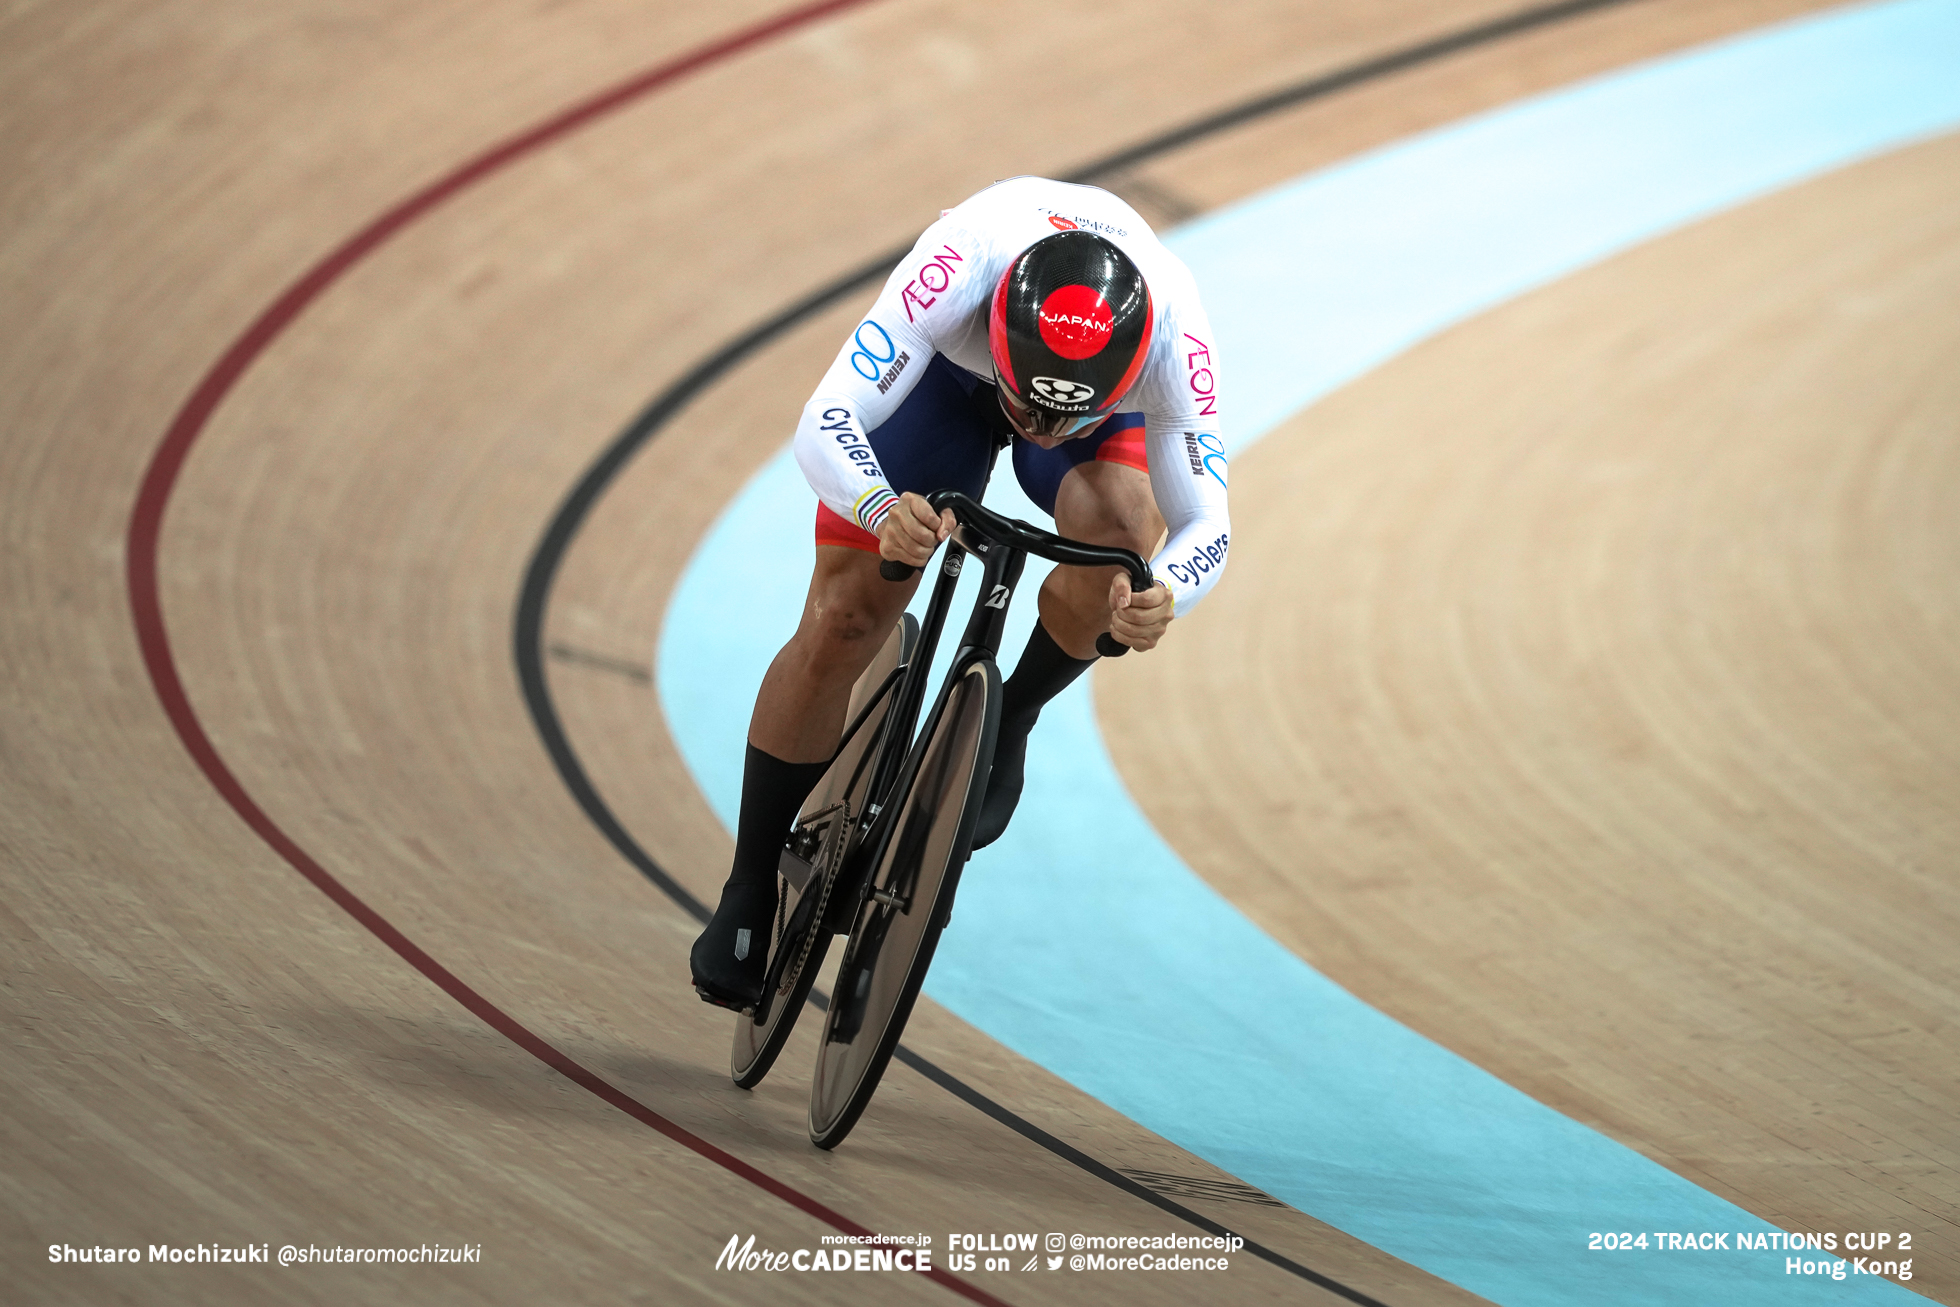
(893, 570)
(1110, 647)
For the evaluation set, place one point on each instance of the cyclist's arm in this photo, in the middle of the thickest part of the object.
(926, 299)
(1193, 505)
(1188, 468)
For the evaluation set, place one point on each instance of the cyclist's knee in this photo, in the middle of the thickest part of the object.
(839, 624)
(1107, 503)
(850, 608)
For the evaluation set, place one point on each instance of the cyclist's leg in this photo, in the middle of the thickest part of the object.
(799, 714)
(847, 614)
(935, 439)
(1098, 491)
(1106, 501)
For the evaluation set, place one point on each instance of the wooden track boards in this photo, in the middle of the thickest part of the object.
(200, 1046)
(1593, 679)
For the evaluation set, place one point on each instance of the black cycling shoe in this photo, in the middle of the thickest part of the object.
(729, 958)
(1004, 782)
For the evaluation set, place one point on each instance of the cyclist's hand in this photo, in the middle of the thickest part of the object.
(1138, 620)
(911, 530)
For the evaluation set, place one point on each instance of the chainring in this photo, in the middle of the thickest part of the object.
(823, 868)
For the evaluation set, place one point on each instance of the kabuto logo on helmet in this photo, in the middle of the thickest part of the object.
(1076, 322)
(1062, 393)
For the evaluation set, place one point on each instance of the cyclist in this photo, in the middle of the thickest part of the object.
(1039, 314)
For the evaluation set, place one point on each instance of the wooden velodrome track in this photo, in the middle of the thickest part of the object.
(1616, 754)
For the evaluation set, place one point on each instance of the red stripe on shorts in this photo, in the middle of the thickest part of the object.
(835, 530)
(1125, 447)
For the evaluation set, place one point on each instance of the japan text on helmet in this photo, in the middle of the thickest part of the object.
(1069, 330)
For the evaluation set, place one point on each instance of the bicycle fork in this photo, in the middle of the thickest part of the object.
(1002, 568)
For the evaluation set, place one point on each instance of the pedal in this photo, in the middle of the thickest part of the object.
(707, 996)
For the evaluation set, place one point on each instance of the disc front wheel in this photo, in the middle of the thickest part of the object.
(899, 919)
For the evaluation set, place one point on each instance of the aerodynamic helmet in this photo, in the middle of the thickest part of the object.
(1069, 329)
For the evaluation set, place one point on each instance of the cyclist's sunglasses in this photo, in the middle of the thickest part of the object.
(1031, 420)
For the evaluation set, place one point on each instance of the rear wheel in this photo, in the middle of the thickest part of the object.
(826, 834)
(898, 920)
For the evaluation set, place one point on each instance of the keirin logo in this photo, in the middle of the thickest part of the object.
(1063, 393)
(1207, 454)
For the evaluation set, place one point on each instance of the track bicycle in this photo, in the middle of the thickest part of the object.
(878, 847)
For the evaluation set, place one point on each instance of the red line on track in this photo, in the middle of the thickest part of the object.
(146, 608)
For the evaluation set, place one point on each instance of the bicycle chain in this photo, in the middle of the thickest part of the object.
(830, 860)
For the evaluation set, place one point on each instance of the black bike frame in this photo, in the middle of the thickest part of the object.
(981, 640)
(1003, 545)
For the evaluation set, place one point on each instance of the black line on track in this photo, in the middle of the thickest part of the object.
(528, 631)
(1342, 79)
(598, 662)
(543, 569)
(1109, 1175)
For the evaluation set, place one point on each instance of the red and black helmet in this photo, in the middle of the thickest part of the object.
(1069, 330)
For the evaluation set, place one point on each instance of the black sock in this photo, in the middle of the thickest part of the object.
(1043, 672)
(772, 793)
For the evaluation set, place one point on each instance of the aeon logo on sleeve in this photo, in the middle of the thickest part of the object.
(1204, 383)
(1076, 322)
(933, 277)
(1063, 393)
